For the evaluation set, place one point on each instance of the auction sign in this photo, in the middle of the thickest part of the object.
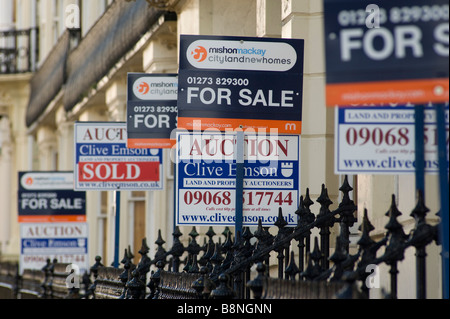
(206, 178)
(45, 197)
(151, 110)
(384, 51)
(240, 82)
(103, 161)
(380, 140)
(65, 242)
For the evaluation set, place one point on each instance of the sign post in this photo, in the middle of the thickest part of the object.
(419, 127)
(444, 188)
(239, 181)
(117, 229)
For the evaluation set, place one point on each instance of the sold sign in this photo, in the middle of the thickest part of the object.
(103, 161)
(96, 172)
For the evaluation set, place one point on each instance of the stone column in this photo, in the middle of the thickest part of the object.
(303, 19)
(160, 56)
(47, 148)
(268, 19)
(5, 173)
(6, 15)
(65, 138)
(116, 99)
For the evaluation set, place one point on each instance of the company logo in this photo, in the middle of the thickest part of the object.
(290, 126)
(156, 88)
(287, 169)
(242, 55)
(143, 88)
(47, 180)
(199, 54)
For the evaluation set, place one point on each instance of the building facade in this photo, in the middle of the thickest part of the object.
(79, 55)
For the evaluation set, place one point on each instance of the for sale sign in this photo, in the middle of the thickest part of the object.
(206, 178)
(232, 82)
(103, 161)
(151, 110)
(66, 242)
(49, 197)
(384, 51)
(380, 140)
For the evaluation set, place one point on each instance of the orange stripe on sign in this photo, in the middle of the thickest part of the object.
(285, 127)
(402, 92)
(52, 219)
(150, 143)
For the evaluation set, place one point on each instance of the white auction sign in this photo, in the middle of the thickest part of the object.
(381, 140)
(65, 242)
(206, 178)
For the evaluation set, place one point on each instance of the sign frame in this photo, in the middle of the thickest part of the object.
(113, 151)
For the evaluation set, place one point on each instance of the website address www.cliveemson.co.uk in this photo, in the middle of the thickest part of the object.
(219, 218)
(391, 163)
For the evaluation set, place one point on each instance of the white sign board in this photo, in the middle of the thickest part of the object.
(206, 178)
(66, 242)
(380, 140)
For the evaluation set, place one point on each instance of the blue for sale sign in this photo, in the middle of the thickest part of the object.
(385, 51)
(49, 197)
(231, 82)
(151, 110)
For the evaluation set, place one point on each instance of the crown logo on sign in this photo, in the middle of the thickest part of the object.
(287, 169)
(287, 165)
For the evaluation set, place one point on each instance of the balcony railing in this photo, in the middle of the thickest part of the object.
(18, 51)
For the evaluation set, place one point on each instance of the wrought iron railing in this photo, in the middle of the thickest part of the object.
(228, 266)
(19, 51)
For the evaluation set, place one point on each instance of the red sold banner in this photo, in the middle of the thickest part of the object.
(96, 172)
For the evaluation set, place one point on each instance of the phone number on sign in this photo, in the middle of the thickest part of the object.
(250, 198)
(396, 15)
(60, 258)
(389, 136)
(218, 81)
(152, 109)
